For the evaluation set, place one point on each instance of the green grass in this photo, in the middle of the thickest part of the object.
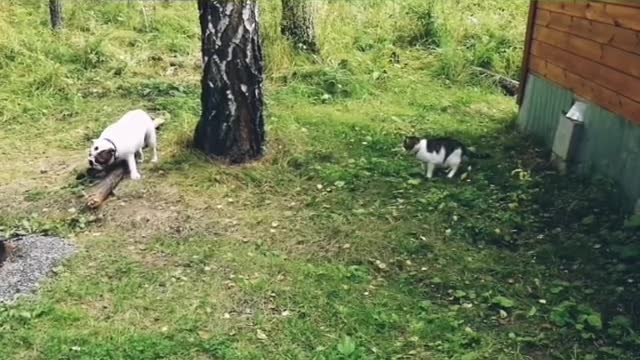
(333, 246)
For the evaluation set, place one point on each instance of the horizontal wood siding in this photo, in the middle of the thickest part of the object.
(591, 48)
(618, 14)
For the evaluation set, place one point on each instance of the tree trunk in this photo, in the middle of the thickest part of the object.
(3, 252)
(297, 24)
(231, 126)
(55, 11)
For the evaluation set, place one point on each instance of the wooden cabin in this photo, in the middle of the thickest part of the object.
(585, 52)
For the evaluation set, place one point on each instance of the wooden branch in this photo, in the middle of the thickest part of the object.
(114, 175)
(105, 186)
(509, 86)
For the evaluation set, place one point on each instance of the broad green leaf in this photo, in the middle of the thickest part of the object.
(459, 294)
(503, 302)
(347, 346)
(595, 320)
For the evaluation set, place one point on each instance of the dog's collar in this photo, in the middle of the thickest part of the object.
(115, 148)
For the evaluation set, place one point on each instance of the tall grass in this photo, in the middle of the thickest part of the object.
(471, 33)
(102, 38)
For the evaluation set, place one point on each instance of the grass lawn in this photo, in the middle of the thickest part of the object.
(333, 246)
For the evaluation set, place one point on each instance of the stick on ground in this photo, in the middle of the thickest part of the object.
(105, 187)
(101, 191)
(509, 86)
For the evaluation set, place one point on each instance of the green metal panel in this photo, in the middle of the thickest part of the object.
(610, 145)
(541, 108)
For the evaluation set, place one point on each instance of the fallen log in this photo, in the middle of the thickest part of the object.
(508, 86)
(106, 185)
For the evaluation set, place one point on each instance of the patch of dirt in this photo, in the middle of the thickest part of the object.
(48, 178)
(147, 213)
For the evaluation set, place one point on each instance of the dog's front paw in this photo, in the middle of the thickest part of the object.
(154, 160)
(136, 176)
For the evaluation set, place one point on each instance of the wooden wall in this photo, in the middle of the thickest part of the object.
(591, 48)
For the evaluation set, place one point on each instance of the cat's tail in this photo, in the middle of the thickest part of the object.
(470, 152)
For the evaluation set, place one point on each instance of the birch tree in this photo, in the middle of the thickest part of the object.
(298, 24)
(232, 125)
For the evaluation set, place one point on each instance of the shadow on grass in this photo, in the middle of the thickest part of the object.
(566, 234)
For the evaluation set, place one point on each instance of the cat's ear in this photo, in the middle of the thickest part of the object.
(410, 142)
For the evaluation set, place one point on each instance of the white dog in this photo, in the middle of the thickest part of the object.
(123, 141)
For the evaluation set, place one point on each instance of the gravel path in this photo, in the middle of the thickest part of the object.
(32, 261)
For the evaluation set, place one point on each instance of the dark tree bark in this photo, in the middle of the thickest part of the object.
(231, 126)
(55, 11)
(3, 252)
(298, 25)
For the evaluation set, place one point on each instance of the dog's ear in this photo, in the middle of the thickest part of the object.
(105, 157)
(94, 146)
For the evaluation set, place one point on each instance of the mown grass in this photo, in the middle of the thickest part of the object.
(333, 246)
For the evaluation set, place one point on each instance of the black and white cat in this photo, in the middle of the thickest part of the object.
(439, 152)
